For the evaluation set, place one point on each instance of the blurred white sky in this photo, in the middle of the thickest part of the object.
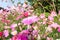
(9, 3)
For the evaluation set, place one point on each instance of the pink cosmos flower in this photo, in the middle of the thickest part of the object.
(25, 14)
(44, 22)
(48, 38)
(5, 21)
(30, 20)
(35, 33)
(42, 16)
(54, 25)
(53, 13)
(13, 26)
(50, 18)
(22, 10)
(6, 33)
(48, 29)
(19, 17)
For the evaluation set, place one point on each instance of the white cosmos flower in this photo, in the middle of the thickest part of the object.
(14, 32)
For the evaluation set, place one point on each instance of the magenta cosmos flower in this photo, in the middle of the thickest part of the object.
(30, 20)
(1, 33)
(24, 35)
(21, 36)
(58, 29)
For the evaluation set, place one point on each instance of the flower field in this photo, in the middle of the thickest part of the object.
(23, 23)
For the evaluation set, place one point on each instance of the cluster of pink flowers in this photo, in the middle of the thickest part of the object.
(21, 23)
